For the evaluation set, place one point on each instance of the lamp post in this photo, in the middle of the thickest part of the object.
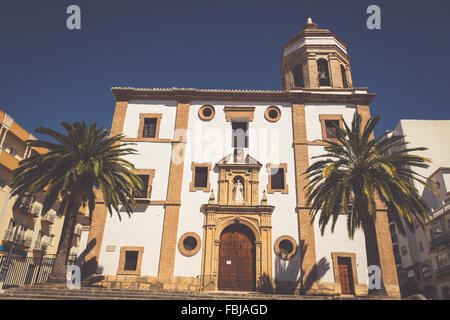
(25, 203)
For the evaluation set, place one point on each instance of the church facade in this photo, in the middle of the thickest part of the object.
(224, 206)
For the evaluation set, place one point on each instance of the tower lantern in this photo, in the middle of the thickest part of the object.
(315, 58)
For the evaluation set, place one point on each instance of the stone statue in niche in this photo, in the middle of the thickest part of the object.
(238, 192)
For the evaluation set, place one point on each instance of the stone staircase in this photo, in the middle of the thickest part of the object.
(48, 292)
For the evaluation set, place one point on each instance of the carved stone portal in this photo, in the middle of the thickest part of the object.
(237, 202)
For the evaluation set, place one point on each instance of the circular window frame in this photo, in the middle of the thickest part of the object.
(189, 253)
(272, 108)
(277, 249)
(202, 116)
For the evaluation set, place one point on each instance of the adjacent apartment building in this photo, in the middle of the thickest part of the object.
(422, 256)
(38, 234)
(224, 205)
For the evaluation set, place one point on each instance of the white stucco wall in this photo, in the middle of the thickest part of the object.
(337, 241)
(142, 229)
(210, 141)
(268, 143)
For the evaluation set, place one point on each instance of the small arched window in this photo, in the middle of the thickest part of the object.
(298, 76)
(344, 77)
(323, 73)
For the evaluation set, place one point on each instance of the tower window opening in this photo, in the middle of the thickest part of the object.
(344, 77)
(323, 72)
(298, 76)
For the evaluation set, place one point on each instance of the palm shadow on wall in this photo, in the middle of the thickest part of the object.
(290, 274)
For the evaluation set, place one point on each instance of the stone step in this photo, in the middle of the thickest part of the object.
(93, 291)
(88, 293)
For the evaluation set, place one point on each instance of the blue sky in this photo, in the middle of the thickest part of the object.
(50, 74)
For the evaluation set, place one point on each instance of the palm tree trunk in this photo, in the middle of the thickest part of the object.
(59, 271)
(373, 256)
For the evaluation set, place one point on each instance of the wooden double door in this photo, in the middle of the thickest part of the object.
(237, 258)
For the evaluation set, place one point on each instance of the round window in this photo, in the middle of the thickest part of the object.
(206, 112)
(272, 114)
(189, 243)
(286, 247)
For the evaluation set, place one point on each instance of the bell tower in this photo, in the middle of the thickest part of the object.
(315, 58)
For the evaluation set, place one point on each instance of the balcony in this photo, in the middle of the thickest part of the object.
(32, 211)
(438, 240)
(443, 272)
(48, 218)
(78, 230)
(22, 241)
(40, 245)
(73, 254)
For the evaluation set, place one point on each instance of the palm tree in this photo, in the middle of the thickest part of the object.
(78, 164)
(355, 172)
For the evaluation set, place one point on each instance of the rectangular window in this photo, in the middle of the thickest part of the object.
(421, 246)
(331, 128)
(144, 193)
(240, 134)
(131, 259)
(201, 177)
(404, 251)
(149, 130)
(277, 178)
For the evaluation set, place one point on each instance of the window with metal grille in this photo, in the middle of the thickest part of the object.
(240, 134)
(277, 178)
(331, 128)
(131, 259)
(201, 177)
(149, 128)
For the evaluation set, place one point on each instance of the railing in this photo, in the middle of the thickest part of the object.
(48, 217)
(206, 282)
(442, 271)
(78, 230)
(440, 239)
(9, 234)
(20, 238)
(72, 257)
(41, 245)
(25, 241)
(435, 213)
(36, 210)
(27, 270)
